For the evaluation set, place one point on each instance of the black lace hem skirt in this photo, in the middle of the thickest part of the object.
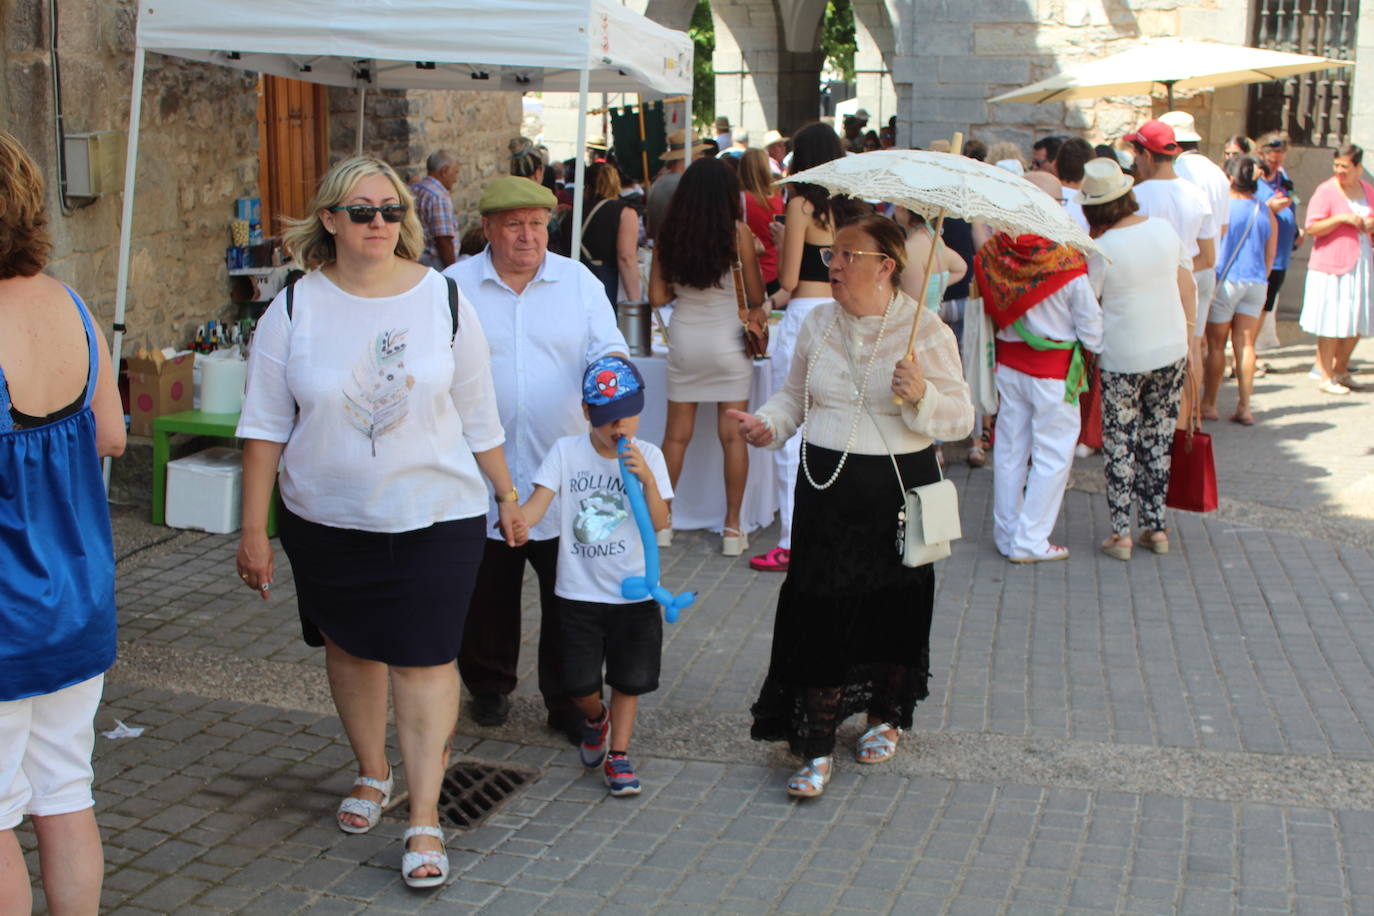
(852, 629)
(397, 598)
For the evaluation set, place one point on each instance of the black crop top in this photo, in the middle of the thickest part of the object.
(811, 267)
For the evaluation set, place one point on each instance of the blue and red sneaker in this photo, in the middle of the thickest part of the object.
(620, 776)
(593, 750)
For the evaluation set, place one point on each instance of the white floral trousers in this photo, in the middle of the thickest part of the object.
(1139, 413)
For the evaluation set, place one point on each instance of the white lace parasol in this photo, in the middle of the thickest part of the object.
(931, 183)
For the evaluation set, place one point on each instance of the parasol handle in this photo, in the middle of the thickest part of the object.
(925, 284)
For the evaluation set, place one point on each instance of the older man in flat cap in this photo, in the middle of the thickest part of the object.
(545, 318)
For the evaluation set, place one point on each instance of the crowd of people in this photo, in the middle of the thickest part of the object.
(436, 410)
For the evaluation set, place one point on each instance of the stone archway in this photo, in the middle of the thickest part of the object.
(875, 37)
(767, 58)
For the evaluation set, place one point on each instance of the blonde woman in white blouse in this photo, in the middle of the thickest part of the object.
(852, 632)
(373, 391)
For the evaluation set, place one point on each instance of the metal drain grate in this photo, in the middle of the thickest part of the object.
(474, 789)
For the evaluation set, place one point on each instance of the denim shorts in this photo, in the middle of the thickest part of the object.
(626, 638)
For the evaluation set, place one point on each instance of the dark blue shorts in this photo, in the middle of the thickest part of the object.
(627, 639)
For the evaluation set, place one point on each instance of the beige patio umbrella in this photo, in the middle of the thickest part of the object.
(937, 185)
(1170, 63)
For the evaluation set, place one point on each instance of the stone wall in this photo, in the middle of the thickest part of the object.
(198, 152)
(404, 127)
(959, 55)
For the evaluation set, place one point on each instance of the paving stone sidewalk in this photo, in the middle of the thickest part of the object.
(1189, 733)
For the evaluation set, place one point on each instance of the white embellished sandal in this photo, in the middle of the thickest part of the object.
(874, 746)
(733, 542)
(369, 811)
(809, 781)
(414, 861)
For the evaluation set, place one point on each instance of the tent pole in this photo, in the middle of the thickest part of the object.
(643, 153)
(583, 88)
(126, 223)
(358, 140)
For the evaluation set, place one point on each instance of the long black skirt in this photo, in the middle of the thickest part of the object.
(852, 630)
(396, 598)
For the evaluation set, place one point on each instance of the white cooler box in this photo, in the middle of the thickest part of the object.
(205, 491)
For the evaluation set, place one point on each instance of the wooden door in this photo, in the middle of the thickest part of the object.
(293, 149)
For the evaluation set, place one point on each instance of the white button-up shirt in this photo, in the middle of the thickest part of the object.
(541, 341)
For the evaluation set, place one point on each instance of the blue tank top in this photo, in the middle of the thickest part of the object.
(1249, 260)
(939, 279)
(57, 603)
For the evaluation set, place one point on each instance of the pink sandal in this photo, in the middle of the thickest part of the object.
(775, 560)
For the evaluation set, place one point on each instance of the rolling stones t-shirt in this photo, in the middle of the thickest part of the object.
(599, 543)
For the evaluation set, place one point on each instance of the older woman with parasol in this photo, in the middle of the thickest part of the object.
(852, 632)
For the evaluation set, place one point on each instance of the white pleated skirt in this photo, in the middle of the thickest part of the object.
(1340, 305)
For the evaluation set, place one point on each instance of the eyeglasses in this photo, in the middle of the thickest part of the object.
(828, 255)
(364, 213)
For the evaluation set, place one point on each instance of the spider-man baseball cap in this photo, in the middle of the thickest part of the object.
(612, 388)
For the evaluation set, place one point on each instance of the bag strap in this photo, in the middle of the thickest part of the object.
(737, 274)
(901, 484)
(451, 283)
(1235, 252)
(587, 222)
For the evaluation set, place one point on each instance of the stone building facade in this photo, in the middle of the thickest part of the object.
(198, 153)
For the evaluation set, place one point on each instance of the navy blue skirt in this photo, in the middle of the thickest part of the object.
(397, 598)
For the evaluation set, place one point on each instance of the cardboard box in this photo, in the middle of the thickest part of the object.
(158, 388)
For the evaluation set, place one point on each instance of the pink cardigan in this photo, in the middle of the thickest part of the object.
(1338, 250)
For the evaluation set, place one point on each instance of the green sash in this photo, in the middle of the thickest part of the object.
(1076, 382)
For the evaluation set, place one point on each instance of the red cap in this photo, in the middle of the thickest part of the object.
(1157, 137)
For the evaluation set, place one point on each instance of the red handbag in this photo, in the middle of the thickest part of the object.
(1192, 474)
(1090, 432)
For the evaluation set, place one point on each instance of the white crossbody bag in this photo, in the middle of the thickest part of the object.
(929, 518)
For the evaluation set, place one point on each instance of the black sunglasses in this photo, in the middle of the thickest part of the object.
(364, 213)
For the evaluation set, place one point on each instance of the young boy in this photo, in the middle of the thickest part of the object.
(600, 545)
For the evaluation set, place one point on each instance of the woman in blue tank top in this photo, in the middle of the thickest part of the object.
(1237, 307)
(59, 414)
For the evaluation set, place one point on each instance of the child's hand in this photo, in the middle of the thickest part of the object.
(634, 463)
(512, 524)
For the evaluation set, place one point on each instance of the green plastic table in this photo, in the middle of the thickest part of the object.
(195, 423)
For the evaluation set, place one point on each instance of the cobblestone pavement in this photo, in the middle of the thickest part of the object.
(1188, 733)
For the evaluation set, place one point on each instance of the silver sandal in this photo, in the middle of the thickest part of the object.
(369, 811)
(412, 861)
(876, 745)
(809, 781)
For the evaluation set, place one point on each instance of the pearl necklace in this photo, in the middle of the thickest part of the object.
(859, 402)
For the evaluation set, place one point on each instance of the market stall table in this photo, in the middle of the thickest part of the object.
(195, 423)
(700, 494)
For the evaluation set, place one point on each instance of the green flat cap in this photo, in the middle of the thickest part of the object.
(514, 193)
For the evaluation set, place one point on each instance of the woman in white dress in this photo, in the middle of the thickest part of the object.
(703, 239)
(1338, 303)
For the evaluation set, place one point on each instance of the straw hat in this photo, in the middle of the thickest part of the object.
(773, 137)
(673, 155)
(1185, 128)
(1103, 182)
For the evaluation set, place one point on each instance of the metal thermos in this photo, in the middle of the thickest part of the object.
(637, 325)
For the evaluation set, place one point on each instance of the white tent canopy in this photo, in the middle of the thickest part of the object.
(518, 45)
(523, 45)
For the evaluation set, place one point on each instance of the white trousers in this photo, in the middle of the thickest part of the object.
(45, 752)
(787, 460)
(1035, 427)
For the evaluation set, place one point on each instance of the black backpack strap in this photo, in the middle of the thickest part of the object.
(290, 298)
(452, 308)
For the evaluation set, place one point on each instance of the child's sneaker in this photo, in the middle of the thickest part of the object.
(620, 776)
(594, 740)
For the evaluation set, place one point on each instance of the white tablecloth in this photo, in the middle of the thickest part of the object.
(700, 494)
